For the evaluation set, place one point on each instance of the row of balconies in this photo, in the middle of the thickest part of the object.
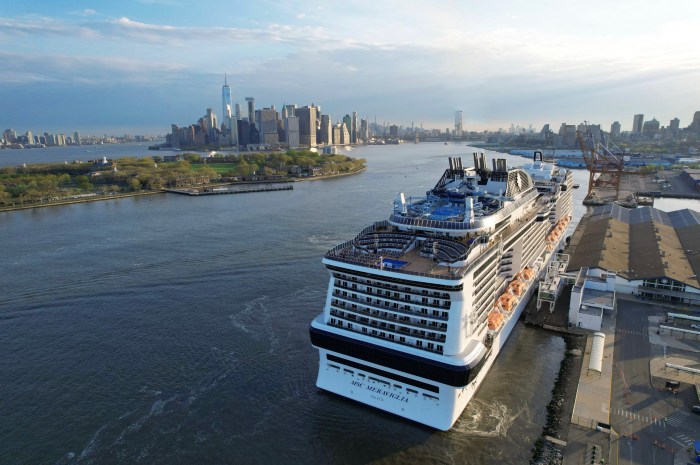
(415, 321)
(394, 287)
(429, 344)
(425, 301)
(395, 307)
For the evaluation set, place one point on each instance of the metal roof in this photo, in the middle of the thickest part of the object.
(595, 363)
(641, 243)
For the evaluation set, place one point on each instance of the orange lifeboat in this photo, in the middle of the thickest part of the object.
(517, 287)
(495, 320)
(507, 302)
(528, 273)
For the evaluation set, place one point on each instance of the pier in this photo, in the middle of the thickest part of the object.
(243, 189)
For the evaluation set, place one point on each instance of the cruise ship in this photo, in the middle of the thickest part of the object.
(419, 305)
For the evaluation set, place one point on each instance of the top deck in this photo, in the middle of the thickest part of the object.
(475, 199)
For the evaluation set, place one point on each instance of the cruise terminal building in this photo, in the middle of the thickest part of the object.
(644, 251)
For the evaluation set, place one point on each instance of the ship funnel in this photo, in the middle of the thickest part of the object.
(476, 161)
(451, 164)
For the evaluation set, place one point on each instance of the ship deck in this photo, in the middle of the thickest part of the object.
(452, 262)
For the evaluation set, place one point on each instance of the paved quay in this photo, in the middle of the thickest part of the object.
(647, 424)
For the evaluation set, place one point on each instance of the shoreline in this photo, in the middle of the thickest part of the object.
(99, 197)
(550, 446)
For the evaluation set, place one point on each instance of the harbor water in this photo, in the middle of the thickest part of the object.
(168, 329)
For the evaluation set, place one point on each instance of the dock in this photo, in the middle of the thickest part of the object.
(242, 189)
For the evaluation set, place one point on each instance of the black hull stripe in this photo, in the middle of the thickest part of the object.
(384, 374)
(438, 372)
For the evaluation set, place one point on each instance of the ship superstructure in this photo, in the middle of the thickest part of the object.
(419, 305)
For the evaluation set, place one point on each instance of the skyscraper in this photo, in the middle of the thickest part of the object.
(266, 122)
(291, 131)
(458, 123)
(695, 125)
(237, 111)
(353, 128)
(251, 109)
(325, 133)
(227, 114)
(674, 125)
(651, 127)
(638, 124)
(615, 129)
(364, 131)
(347, 121)
(307, 125)
(227, 108)
(288, 110)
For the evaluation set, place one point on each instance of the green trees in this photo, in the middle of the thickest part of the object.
(46, 182)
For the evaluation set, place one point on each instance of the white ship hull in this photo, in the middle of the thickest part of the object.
(437, 410)
(413, 340)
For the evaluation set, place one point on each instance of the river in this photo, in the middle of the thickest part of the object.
(168, 329)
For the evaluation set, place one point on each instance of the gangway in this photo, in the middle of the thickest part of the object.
(553, 282)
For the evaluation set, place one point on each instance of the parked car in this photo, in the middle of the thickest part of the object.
(695, 409)
(695, 326)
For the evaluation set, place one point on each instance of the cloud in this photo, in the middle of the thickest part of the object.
(85, 12)
(405, 63)
(69, 70)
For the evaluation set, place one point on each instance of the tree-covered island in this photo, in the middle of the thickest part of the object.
(49, 183)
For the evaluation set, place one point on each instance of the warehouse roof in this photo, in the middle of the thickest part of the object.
(641, 243)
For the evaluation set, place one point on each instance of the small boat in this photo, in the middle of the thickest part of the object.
(576, 186)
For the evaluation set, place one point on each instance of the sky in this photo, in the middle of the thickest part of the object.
(137, 66)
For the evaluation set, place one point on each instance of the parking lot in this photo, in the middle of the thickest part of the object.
(655, 424)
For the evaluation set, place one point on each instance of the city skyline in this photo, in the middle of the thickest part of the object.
(137, 67)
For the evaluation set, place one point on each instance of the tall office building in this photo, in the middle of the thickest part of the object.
(344, 134)
(458, 123)
(651, 127)
(353, 128)
(695, 125)
(307, 125)
(638, 124)
(30, 137)
(237, 111)
(291, 131)
(336, 134)
(288, 110)
(266, 122)
(615, 129)
(226, 106)
(364, 131)
(347, 121)
(227, 114)
(9, 135)
(251, 109)
(325, 134)
(674, 125)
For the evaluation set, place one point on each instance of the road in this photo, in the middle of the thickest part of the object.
(653, 423)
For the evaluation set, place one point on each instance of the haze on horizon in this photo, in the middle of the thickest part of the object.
(137, 66)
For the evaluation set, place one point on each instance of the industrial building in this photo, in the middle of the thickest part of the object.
(644, 252)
